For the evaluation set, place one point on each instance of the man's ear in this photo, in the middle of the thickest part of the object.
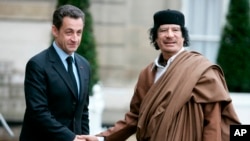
(54, 31)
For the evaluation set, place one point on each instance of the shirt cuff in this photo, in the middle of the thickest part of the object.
(100, 138)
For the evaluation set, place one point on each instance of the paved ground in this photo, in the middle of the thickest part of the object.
(4, 136)
(16, 129)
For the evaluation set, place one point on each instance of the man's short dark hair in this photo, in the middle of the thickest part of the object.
(66, 11)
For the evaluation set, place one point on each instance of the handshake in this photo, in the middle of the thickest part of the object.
(88, 138)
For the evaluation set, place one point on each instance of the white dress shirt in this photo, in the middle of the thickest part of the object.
(162, 69)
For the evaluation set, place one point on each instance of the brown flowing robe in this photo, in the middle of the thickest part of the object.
(189, 102)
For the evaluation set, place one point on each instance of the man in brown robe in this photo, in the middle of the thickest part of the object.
(181, 96)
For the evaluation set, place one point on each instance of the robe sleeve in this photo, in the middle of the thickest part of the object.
(123, 129)
(212, 120)
(212, 93)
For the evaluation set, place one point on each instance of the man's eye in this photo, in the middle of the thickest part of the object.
(176, 29)
(79, 33)
(163, 30)
(68, 32)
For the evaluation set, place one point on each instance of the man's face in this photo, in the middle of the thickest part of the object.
(68, 37)
(169, 39)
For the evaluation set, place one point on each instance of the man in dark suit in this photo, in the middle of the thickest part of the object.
(56, 103)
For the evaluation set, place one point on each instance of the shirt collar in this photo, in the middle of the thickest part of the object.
(63, 56)
(170, 60)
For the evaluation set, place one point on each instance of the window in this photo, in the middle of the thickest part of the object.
(205, 20)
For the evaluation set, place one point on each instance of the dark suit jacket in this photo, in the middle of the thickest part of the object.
(53, 112)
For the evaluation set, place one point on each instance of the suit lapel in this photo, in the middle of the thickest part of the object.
(59, 67)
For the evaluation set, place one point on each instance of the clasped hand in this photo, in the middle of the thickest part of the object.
(85, 138)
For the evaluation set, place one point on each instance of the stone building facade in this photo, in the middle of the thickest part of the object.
(121, 30)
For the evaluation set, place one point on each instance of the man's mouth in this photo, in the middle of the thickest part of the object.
(169, 43)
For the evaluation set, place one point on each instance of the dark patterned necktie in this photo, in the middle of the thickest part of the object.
(71, 73)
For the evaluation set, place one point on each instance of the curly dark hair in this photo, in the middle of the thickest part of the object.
(153, 36)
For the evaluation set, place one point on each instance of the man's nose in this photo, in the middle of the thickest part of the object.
(169, 33)
(74, 37)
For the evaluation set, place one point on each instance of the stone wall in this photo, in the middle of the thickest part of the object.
(12, 104)
(121, 30)
(26, 9)
(120, 26)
